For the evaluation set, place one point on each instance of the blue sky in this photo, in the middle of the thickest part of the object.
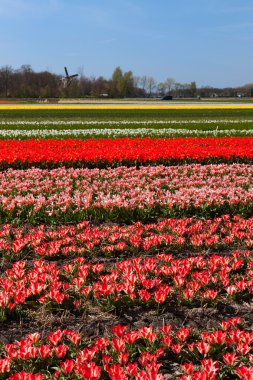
(207, 41)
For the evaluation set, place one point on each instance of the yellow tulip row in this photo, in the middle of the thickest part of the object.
(125, 107)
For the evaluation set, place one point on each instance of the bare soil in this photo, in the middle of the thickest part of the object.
(7, 102)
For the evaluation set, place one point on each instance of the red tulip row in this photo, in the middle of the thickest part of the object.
(111, 239)
(149, 281)
(125, 149)
(143, 354)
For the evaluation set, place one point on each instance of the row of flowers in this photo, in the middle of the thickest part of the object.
(131, 150)
(126, 106)
(150, 281)
(114, 133)
(141, 354)
(138, 238)
(120, 123)
(124, 194)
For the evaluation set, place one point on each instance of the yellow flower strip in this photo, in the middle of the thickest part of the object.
(124, 107)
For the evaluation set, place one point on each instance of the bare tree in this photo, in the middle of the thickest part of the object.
(161, 89)
(143, 82)
(136, 81)
(99, 86)
(151, 85)
(6, 73)
(193, 89)
(169, 83)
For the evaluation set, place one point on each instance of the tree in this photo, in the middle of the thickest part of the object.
(169, 83)
(122, 84)
(161, 89)
(28, 87)
(6, 73)
(128, 84)
(143, 82)
(84, 85)
(26, 69)
(136, 81)
(151, 84)
(193, 89)
(99, 86)
(116, 82)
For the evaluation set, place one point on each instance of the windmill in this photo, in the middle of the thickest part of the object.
(68, 78)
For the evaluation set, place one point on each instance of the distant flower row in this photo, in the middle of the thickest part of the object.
(44, 122)
(157, 106)
(112, 132)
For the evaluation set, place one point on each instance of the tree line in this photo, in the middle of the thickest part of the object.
(24, 82)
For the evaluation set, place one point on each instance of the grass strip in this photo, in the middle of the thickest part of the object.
(122, 114)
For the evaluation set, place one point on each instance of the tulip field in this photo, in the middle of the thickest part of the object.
(126, 244)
